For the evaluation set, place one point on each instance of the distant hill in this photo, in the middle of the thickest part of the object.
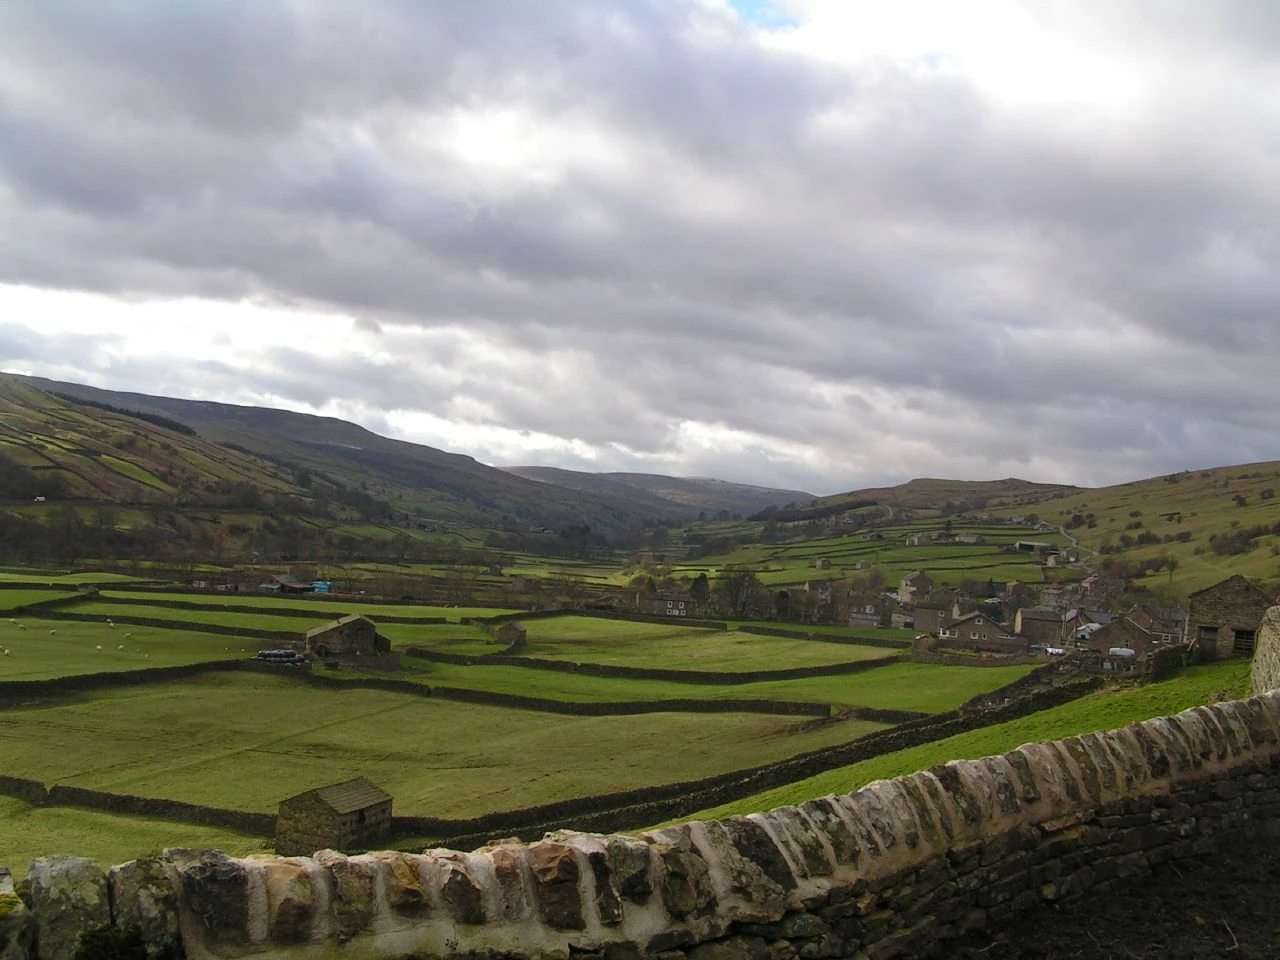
(54, 425)
(1210, 523)
(929, 495)
(687, 496)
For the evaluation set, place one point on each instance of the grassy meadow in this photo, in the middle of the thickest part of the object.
(793, 562)
(72, 649)
(27, 832)
(1105, 710)
(248, 741)
(916, 687)
(628, 644)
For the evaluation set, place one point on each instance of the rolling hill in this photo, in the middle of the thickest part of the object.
(1210, 523)
(67, 428)
(928, 496)
(688, 496)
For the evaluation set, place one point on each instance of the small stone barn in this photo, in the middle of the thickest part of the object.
(512, 634)
(347, 636)
(350, 816)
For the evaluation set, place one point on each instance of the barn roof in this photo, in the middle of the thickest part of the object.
(334, 624)
(352, 795)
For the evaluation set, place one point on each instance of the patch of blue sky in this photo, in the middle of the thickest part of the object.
(764, 14)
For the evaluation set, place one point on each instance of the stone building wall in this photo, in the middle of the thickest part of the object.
(1222, 620)
(889, 871)
(1266, 654)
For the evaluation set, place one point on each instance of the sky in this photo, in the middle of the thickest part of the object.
(814, 244)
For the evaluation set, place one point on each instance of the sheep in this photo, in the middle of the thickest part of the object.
(22, 626)
(146, 656)
(13, 620)
(128, 636)
(121, 647)
(53, 633)
(111, 625)
(99, 647)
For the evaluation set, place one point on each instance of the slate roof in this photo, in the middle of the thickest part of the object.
(334, 624)
(352, 795)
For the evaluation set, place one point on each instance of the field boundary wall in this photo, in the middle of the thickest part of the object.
(263, 610)
(652, 673)
(888, 642)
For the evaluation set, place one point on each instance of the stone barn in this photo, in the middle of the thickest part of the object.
(512, 634)
(1222, 620)
(347, 636)
(350, 816)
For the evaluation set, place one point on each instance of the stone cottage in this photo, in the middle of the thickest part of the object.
(347, 636)
(1222, 620)
(351, 816)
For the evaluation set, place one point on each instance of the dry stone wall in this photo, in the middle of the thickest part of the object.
(1266, 653)
(891, 870)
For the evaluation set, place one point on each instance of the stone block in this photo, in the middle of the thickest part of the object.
(67, 897)
(686, 883)
(759, 898)
(731, 948)
(354, 891)
(290, 901)
(143, 897)
(753, 842)
(402, 883)
(556, 873)
(824, 814)
(17, 925)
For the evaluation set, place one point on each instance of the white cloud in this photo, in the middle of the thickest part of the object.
(817, 243)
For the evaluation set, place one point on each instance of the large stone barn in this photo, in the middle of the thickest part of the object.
(350, 816)
(347, 636)
(1222, 620)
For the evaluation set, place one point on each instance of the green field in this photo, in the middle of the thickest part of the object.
(631, 644)
(43, 579)
(221, 618)
(325, 608)
(35, 654)
(1106, 710)
(11, 600)
(248, 741)
(29, 832)
(915, 687)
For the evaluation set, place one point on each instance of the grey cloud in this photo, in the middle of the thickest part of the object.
(932, 265)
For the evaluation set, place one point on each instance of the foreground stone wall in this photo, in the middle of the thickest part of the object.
(1266, 653)
(892, 870)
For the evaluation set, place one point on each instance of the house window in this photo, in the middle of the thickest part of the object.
(1207, 634)
(1244, 641)
(973, 634)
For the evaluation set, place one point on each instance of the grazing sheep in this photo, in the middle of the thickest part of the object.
(13, 620)
(6, 651)
(128, 636)
(22, 626)
(121, 647)
(53, 633)
(146, 656)
(99, 646)
(111, 625)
